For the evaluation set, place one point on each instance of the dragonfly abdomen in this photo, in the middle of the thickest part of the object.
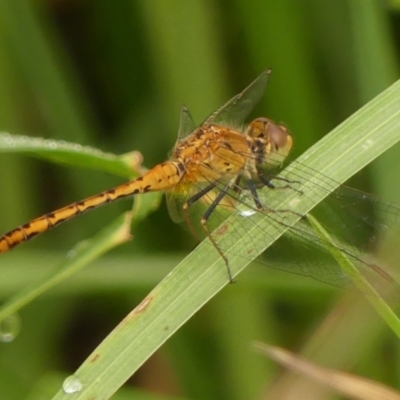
(162, 177)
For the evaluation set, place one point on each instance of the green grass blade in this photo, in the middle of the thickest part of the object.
(357, 278)
(74, 154)
(375, 56)
(111, 236)
(352, 145)
(42, 58)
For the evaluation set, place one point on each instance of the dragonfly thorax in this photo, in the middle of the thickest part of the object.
(213, 152)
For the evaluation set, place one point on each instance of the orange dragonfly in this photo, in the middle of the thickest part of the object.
(219, 168)
(210, 154)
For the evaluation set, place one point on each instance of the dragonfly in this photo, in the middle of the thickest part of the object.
(225, 166)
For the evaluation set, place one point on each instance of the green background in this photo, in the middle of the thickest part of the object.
(114, 75)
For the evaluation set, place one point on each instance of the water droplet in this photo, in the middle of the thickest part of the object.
(47, 143)
(52, 145)
(9, 328)
(7, 139)
(247, 213)
(293, 203)
(72, 385)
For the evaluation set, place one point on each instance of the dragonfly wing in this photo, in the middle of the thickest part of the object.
(176, 200)
(237, 109)
(175, 207)
(358, 223)
(357, 231)
(192, 216)
(186, 123)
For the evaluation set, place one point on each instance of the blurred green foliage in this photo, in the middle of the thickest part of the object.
(113, 75)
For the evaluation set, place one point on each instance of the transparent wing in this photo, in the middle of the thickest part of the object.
(359, 223)
(237, 109)
(186, 123)
(176, 199)
(356, 233)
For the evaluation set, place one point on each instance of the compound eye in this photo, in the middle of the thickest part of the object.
(279, 136)
(281, 143)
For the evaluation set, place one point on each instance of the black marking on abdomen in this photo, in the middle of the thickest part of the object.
(30, 235)
(51, 216)
(80, 204)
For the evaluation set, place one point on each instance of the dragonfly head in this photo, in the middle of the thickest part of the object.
(272, 142)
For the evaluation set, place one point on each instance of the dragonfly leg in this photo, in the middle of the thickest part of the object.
(205, 218)
(269, 184)
(200, 194)
(236, 184)
(259, 205)
(254, 193)
(193, 200)
(267, 181)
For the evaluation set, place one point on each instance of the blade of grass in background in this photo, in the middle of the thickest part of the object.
(73, 154)
(110, 237)
(290, 57)
(376, 67)
(113, 235)
(51, 79)
(41, 54)
(16, 180)
(357, 278)
(180, 78)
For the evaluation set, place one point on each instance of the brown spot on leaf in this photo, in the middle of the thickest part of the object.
(143, 305)
(94, 358)
(140, 308)
(222, 229)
